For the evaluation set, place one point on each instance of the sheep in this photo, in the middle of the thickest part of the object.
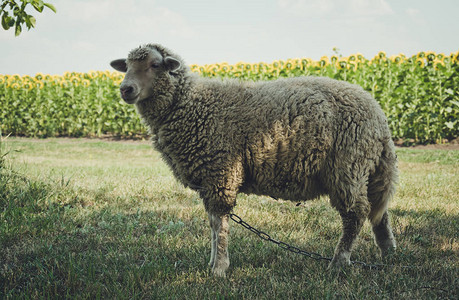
(295, 139)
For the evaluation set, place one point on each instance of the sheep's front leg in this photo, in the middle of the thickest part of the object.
(352, 224)
(219, 259)
(213, 242)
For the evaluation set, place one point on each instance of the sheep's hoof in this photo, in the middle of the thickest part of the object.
(219, 272)
(388, 251)
(340, 261)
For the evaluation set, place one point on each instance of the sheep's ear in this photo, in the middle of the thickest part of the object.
(119, 65)
(172, 64)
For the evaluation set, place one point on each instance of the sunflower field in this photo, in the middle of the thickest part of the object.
(419, 94)
(71, 105)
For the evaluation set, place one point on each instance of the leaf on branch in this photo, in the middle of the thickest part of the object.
(38, 5)
(18, 29)
(30, 21)
(19, 17)
(33, 21)
(50, 6)
(5, 21)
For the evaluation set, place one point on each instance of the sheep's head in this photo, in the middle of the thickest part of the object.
(148, 71)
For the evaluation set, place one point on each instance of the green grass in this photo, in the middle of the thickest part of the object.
(97, 219)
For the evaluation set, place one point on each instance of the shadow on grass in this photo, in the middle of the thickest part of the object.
(104, 254)
(56, 249)
(434, 229)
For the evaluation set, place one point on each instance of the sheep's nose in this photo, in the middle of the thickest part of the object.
(126, 90)
(129, 91)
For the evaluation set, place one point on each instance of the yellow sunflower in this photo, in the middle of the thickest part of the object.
(455, 57)
(446, 60)
(224, 68)
(27, 85)
(276, 64)
(343, 64)
(15, 77)
(194, 68)
(352, 65)
(209, 68)
(438, 63)
(295, 61)
(102, 75)
(64, 83)
(215, 68)
(289, 65)
(57, 79)
(262, 67)
(420, 62)
(39, 76)
(92, 74)
(39, 84)
(67, 74)
(117, 76)
(16, 86)
(430, 55)
(421, 54)
(306, 61)
(396, 58)
(299, 65)
(240, 66)
(75, 80)
(323, 62)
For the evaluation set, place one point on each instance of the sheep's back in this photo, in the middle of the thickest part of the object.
(295, 128)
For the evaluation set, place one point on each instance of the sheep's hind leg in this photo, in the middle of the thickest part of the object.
(219, 258)
(383, 235)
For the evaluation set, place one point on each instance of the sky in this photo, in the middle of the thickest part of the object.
(86, 35)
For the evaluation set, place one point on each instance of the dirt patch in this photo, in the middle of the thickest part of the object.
(448, 145)
(85, 139)
(452, 145)
(436, 147)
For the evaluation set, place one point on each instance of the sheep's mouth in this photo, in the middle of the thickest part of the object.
(130, 99)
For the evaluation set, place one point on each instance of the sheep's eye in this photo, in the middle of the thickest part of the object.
(155, 65)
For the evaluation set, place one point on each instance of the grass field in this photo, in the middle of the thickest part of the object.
(93, 219)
